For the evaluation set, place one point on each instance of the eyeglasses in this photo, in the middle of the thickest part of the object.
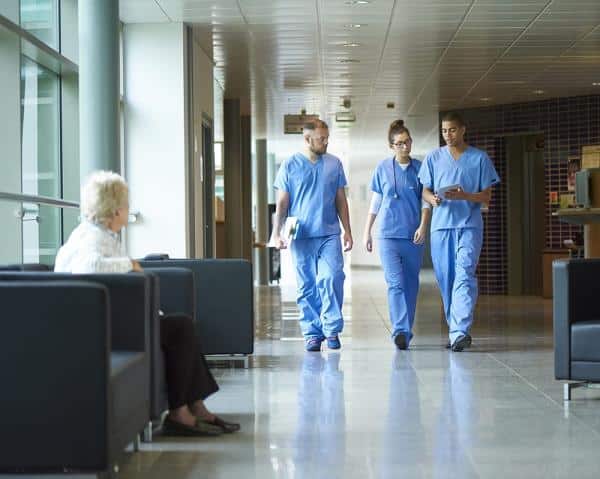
(400, 144)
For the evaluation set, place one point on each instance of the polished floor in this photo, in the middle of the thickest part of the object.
(369, 411)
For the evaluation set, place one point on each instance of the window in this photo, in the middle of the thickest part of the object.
(40, 18)
(40, 160)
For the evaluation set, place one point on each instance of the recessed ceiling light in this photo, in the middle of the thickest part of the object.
(355, 25)
(596, 83)
(348, 60)
(358, 2)
(539, 92)
(485, 98)
(351, 44)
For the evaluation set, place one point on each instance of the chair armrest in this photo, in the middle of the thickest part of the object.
(560, 318)
(54, 371)
(176, 289)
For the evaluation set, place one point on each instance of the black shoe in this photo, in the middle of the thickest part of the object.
(400, 341)
(461, 343)
(174, 428)
(448, 345)
(226, 427)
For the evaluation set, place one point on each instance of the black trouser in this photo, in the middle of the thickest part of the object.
(188, 376)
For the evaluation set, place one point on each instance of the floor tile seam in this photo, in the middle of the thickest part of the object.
(379, 314)
(547, 396)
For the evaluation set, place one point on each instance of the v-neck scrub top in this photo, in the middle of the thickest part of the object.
(312, 189)
(473, 171)
(400, 212)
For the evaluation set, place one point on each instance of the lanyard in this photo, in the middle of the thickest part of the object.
(396, 195)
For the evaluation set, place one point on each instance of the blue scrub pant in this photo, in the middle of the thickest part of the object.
(455, 253)
(320, 277)
(401, 260)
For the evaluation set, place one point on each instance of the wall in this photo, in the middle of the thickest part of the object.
(567, 124)
(155, 137)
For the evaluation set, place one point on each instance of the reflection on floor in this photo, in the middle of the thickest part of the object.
(369, 411)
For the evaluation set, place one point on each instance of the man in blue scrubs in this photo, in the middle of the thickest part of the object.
(457, 179)
(310, 186)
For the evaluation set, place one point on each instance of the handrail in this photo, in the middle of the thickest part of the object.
(40, 200)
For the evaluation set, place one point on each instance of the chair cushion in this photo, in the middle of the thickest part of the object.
(585, 341)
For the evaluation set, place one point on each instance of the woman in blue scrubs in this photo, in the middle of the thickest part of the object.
(457, 179)
(401, 231)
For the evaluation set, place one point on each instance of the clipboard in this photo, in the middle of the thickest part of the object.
(442, 191)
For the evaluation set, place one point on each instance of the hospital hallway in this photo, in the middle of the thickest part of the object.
(369, 411)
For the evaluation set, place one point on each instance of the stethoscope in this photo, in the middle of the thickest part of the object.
(396, 195)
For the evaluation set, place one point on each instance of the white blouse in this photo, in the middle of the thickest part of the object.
(92, 248)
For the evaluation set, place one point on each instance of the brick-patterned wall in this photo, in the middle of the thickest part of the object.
(567, 124)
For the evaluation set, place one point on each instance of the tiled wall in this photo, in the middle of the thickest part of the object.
(567, 124)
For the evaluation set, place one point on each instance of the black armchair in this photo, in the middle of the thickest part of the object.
(224, 298)
(74, 365)
(576, 322)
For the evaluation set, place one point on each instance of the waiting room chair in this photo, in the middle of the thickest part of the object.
(576, 322)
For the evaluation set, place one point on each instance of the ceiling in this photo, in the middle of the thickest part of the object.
(422, 55)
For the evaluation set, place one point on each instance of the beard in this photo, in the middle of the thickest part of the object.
(318, 150)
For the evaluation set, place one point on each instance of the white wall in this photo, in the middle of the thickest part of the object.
(155, 143)
(10, 133)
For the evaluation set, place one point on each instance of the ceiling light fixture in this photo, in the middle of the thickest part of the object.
(596, 83)
(539, 92)
(351, 44)
(348, 60)
(357, 2)
(355, 25)
(485, 98)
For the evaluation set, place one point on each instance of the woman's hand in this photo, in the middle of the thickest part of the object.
(135, 266)
(419, 237)
(368, 242)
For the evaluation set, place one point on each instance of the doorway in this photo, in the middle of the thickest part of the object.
(208, 174)
(526, 221)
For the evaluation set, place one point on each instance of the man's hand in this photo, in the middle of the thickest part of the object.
(457, 194)
(368, 242)
(348, 242)
(279, 243)
(135, 266)
(419, 237)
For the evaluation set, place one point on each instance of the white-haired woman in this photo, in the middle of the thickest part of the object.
(95, 247)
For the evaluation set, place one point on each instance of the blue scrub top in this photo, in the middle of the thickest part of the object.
(399, 217)
(312, 189)
(473, 171)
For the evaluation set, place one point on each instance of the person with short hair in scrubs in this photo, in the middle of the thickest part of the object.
(310, 187)
(402, 227)
(457, 179)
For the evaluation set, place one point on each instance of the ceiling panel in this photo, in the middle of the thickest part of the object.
(423, 55)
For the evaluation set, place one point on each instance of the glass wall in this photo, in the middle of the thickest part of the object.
(41, 144)
(41, 18)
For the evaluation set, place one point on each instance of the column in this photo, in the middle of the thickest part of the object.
(99, 86)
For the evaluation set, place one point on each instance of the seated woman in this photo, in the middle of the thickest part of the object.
(95, 247)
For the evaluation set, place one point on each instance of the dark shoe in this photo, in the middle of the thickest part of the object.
(226, 427)
(333, 342)
(461, 343)
(313, 344)
(400, 341)
(448, 345)
(174, 428)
